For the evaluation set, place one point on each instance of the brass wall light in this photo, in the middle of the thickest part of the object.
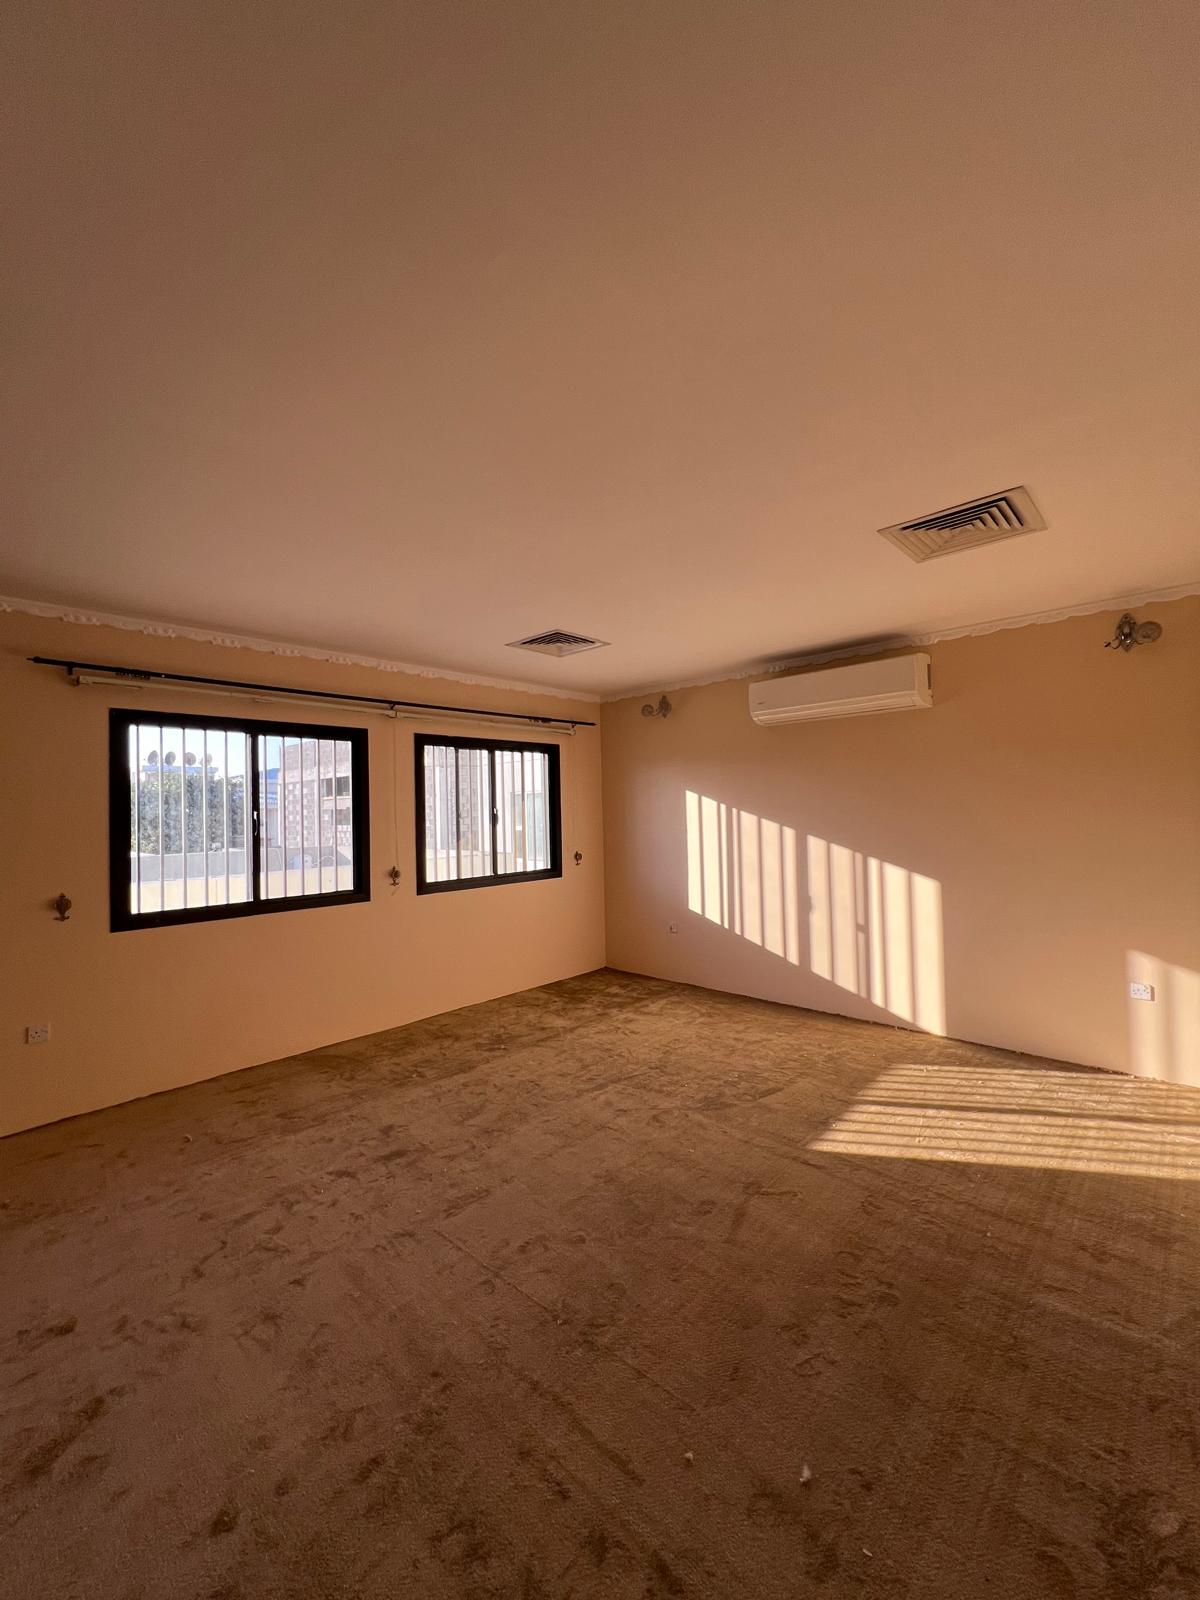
(661, 709)
(1130, 632)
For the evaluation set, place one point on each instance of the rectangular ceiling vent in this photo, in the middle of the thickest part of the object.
(944, 533)
(557, 642)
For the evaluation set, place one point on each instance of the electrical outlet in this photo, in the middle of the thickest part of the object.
(672, 927)
(1141, 991)
(37, 1033)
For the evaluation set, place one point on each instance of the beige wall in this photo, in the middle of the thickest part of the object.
(133, 1013)
(1000, 866)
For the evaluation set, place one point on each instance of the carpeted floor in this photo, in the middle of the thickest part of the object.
(613, 1288)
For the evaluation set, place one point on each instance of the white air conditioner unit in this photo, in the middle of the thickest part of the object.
(900, 683)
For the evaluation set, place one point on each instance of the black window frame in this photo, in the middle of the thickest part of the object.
(421, 742)
(120, 818)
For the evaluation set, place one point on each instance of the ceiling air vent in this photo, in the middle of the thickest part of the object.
(557, 642)
(944, 533)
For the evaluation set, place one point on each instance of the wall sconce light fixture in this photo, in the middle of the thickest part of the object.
(1130, 632)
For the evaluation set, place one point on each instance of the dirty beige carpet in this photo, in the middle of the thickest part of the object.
(614, 1288)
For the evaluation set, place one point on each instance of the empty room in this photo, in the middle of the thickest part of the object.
(600, 697)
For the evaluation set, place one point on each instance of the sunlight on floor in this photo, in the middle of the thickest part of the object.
(1023, 1117)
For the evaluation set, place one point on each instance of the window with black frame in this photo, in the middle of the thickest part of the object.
(488, 812)
(216, 817)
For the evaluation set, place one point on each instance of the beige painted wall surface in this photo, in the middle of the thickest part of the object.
(133, 1013)
(1000, 867)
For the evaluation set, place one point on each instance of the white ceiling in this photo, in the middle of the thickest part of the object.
(410, 329)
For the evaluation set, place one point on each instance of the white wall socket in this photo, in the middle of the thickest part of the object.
(1141, 991)
(37, 1033)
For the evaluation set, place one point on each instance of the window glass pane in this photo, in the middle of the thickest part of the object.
(293, 864)
(458, 813)
(190, 842)
(293, 820)
(309, 813)
(536, 834)
(195, 868)
(504, 825)
(187, 817)
(343, 800)
(136, 820)
(271, 796)
(431, 813)
(326, 866)
(475, 792)
(171, 819)
(453, 836)
(307, 801)
(523, 832)
(479, 846)
(233, 784)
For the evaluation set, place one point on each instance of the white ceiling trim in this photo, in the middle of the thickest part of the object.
(275, 647)
(236, 641)
(911, 641)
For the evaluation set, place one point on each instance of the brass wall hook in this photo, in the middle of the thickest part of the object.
(61, 906)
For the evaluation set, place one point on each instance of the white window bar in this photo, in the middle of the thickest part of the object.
(314, 826)
(504, 807)
(204, 811)
(284, 791)
(348, 811)
(456, 815)
(267, 817)
(324, 753)
(292, 800)
(468, 804)
(135, 860)
(226, 840)
(179, 815)
(185, 879)
(301, 750)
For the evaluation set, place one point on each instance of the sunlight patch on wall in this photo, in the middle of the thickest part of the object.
(742, 874)
(1164, 1033)
(875, 929)
(1016, 1117)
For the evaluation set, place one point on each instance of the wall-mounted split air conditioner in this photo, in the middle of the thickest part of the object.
(899, 683)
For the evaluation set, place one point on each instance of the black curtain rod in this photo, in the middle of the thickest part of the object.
(137, 675)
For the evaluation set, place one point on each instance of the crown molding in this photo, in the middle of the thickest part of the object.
(276, 647)
(912, 641)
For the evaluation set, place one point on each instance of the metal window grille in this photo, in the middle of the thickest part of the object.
(488, 812)
(224, 818)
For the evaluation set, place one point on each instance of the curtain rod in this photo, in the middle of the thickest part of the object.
(136, 675)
